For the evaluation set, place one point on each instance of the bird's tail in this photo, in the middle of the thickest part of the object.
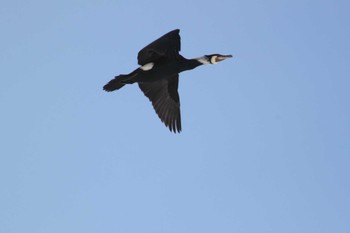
(118, 82)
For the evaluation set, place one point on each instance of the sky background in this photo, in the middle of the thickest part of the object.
(265, 144)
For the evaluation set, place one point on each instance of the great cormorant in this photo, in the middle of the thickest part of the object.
(158, 76)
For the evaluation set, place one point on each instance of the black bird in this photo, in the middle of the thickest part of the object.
(158, 76)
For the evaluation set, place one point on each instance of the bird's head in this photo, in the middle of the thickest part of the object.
(213, 58)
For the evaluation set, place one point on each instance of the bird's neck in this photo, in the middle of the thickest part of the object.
(189, 64)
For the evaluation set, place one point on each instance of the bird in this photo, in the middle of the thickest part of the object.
(158, 76)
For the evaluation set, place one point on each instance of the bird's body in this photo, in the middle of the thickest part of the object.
(152, 72)
(160, 65)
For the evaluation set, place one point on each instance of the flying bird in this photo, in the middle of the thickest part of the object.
(158, 76)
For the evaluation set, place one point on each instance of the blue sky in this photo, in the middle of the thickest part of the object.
(265, 142)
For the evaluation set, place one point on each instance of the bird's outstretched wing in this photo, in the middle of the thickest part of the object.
(166, 46)
(165, 100)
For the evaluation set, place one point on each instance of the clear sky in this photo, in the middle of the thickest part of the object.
(266, 136)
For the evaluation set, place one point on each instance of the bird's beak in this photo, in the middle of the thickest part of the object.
(222, 57)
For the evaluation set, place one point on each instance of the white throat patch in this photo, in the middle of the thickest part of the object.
(147, 66)
(213, 60)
